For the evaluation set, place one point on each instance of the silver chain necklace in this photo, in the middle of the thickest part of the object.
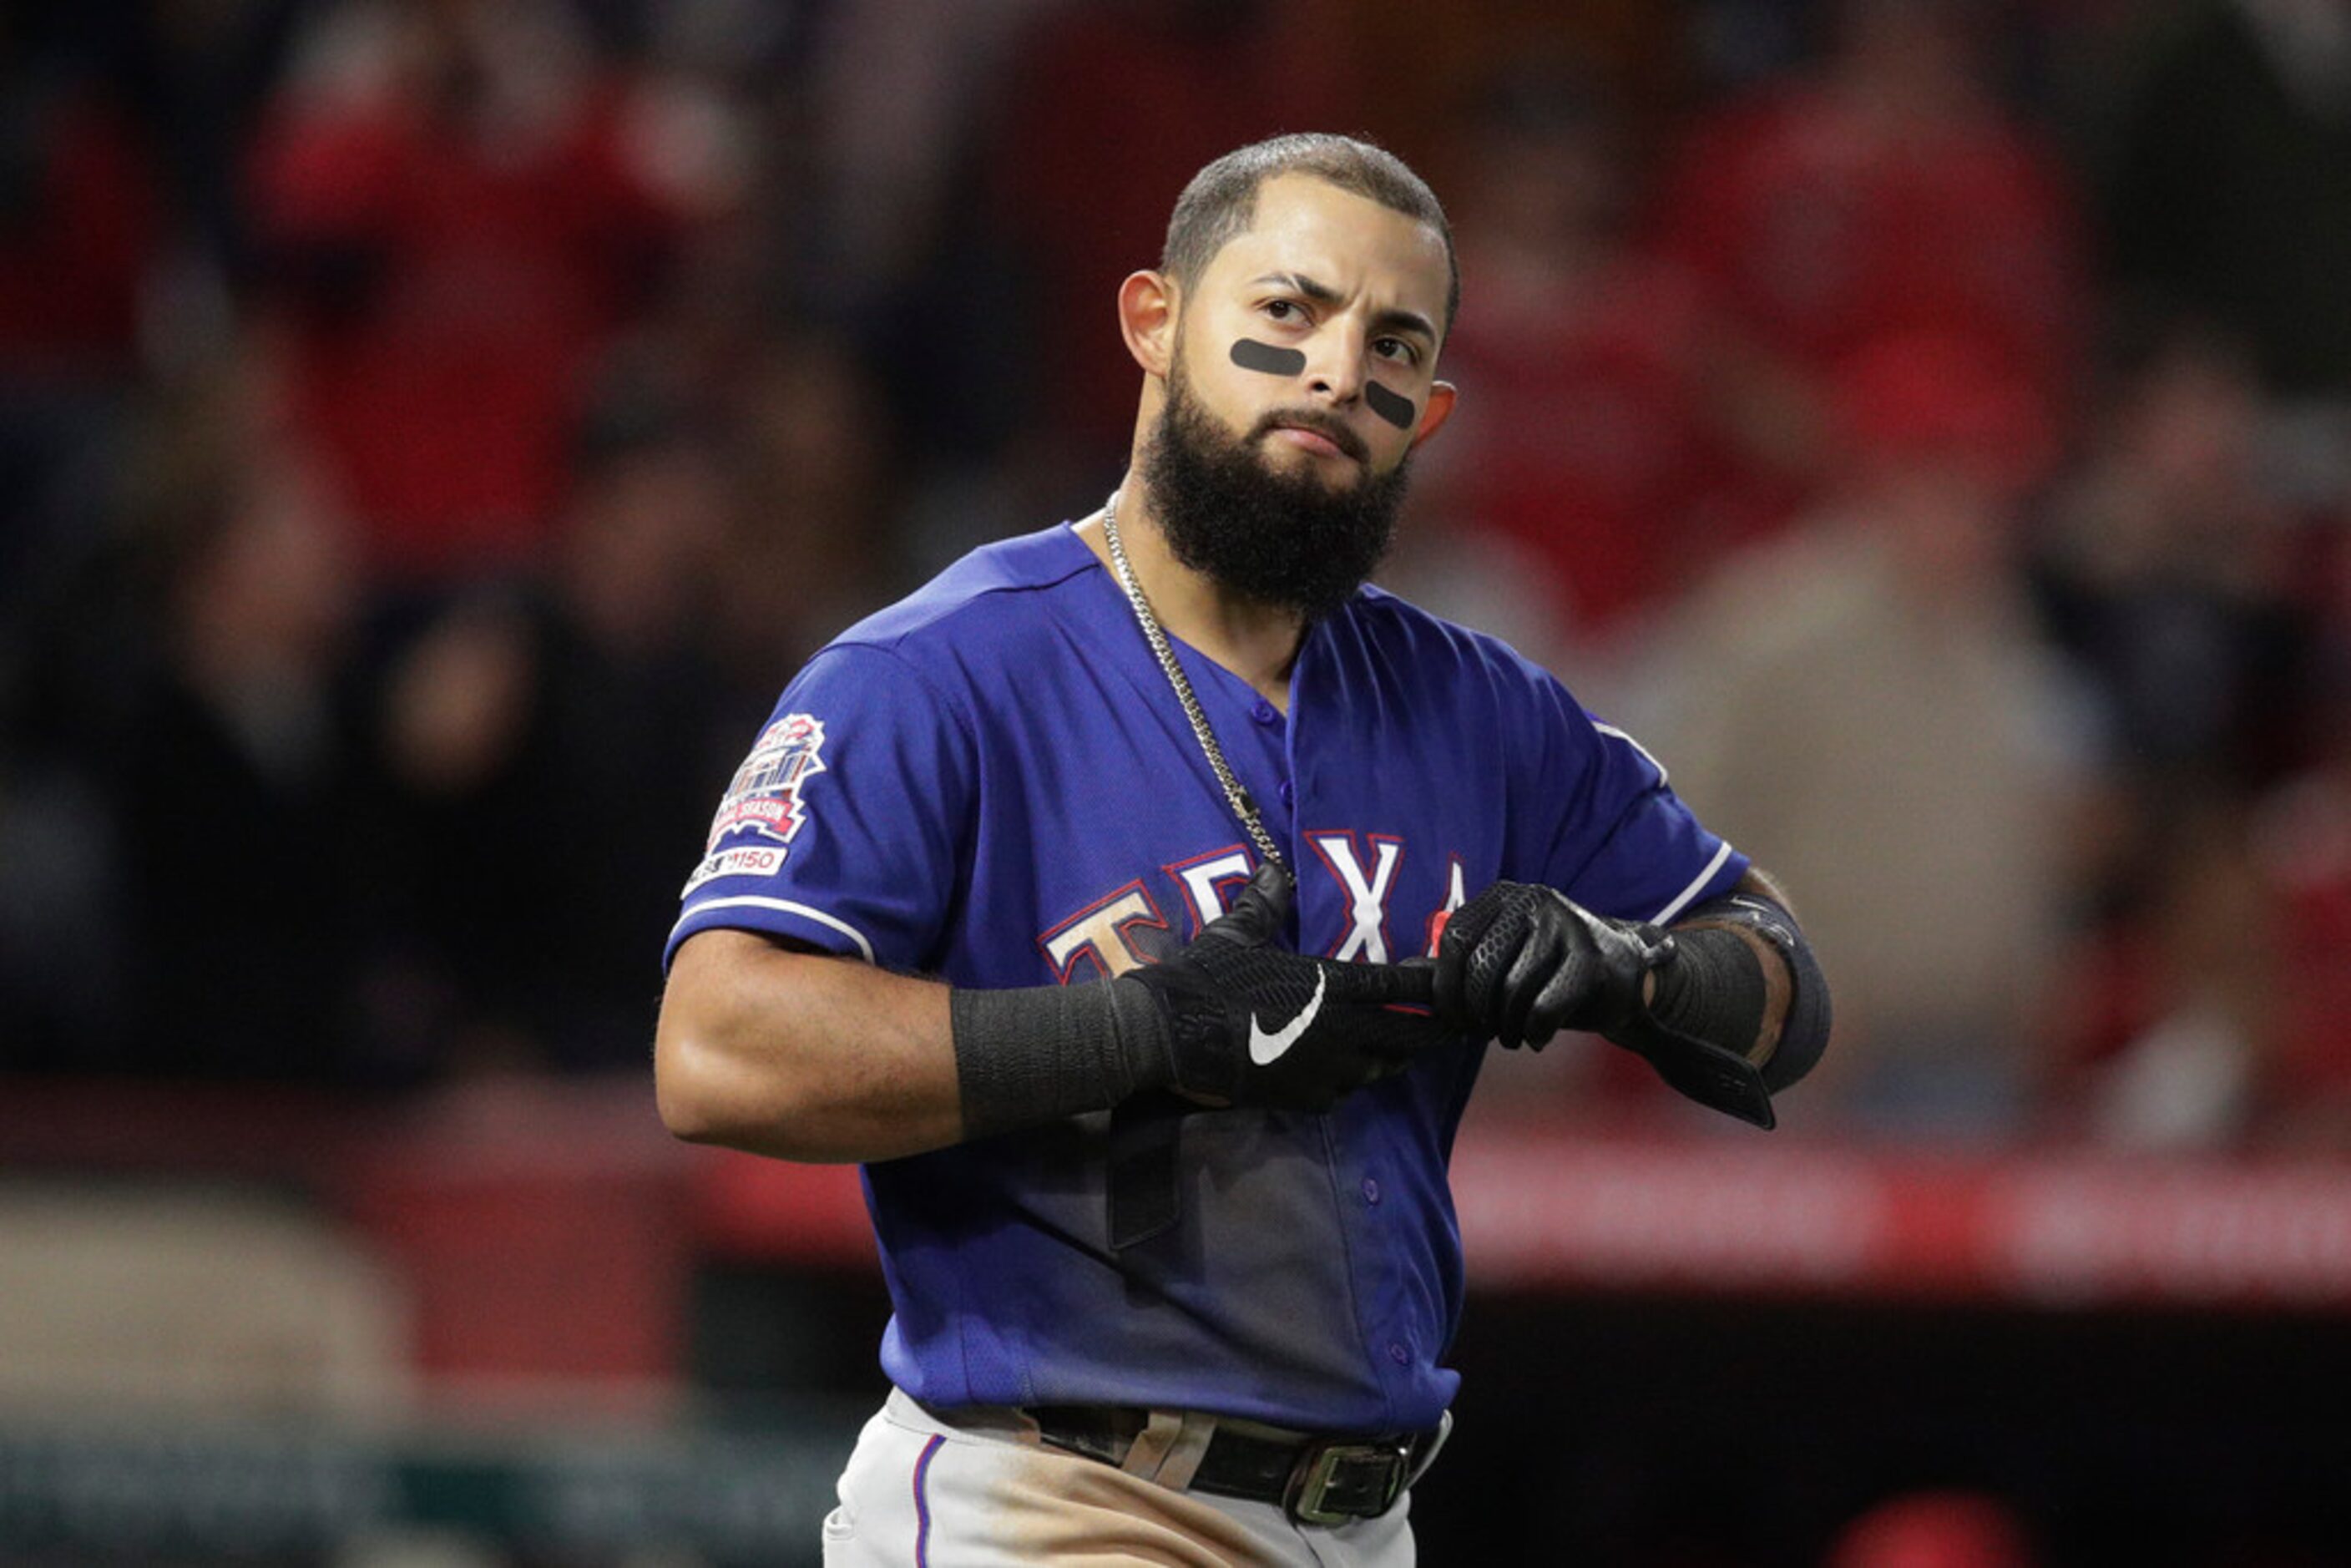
(1243, 806)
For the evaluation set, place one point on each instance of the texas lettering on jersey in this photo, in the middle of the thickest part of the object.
(1127, 925)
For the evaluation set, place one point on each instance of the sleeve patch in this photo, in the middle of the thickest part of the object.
(763, 810)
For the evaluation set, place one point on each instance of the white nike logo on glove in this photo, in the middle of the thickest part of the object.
(1265, 1050)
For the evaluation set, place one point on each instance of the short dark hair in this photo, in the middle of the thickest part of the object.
(1221, 200)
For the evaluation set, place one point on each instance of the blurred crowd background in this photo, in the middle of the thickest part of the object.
(431, 433)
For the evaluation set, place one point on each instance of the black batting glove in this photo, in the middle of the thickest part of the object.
(1520, 962)
(1232, 1021)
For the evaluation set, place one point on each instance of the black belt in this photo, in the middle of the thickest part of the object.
(1326, 1479)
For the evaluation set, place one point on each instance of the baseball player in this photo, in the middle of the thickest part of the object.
(1136, 902)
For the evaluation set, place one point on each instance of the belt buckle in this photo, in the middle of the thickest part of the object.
(1334, 1482)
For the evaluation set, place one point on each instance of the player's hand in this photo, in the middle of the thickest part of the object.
(1520, 962)
(1248, 1024)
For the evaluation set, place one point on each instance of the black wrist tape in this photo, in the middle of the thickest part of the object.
(1712, 987)
(1038, 1053)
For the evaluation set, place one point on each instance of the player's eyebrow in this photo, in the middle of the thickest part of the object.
(1393, 320)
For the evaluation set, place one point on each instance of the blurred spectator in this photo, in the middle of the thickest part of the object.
(815, 546)
(2175, 1010)
(459, 205)
(79, 235)
(2229, 196)
(1865, 708)
(78, 221)
(1738, 43)
(1078, 207)
(2173, 580)
(233, 792)
(2232, 190)
(2170, 574)
(1888, 191)
(900, 85)
(1581, 444)
(547, 758)
(2301, 847)
(1418, 79)
(197, 74)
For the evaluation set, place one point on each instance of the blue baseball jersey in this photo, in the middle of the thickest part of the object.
(992, 783)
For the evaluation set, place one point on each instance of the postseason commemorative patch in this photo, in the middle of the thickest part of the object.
(762, 812)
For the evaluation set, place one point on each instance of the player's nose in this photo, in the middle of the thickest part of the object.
(1336, 367)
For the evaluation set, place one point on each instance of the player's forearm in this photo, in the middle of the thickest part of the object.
(806, 1057)
(803, 1057)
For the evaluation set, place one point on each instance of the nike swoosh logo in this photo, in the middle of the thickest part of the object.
(1265, 1050)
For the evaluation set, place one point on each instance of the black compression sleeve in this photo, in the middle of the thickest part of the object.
(1038, 1053)
(1712, 987)
(1717, 991)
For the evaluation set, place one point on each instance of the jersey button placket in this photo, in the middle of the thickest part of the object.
(1270, 718)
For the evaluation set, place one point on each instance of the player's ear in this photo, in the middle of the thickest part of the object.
(1438, 410)
(1147, 319)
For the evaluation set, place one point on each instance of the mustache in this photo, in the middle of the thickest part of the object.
(1329, 426)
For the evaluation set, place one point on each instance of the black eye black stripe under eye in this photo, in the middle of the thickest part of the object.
(1392, 406)
(1273, 361)
(1251, 355)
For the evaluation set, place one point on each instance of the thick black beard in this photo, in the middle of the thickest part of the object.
(1281, 538)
